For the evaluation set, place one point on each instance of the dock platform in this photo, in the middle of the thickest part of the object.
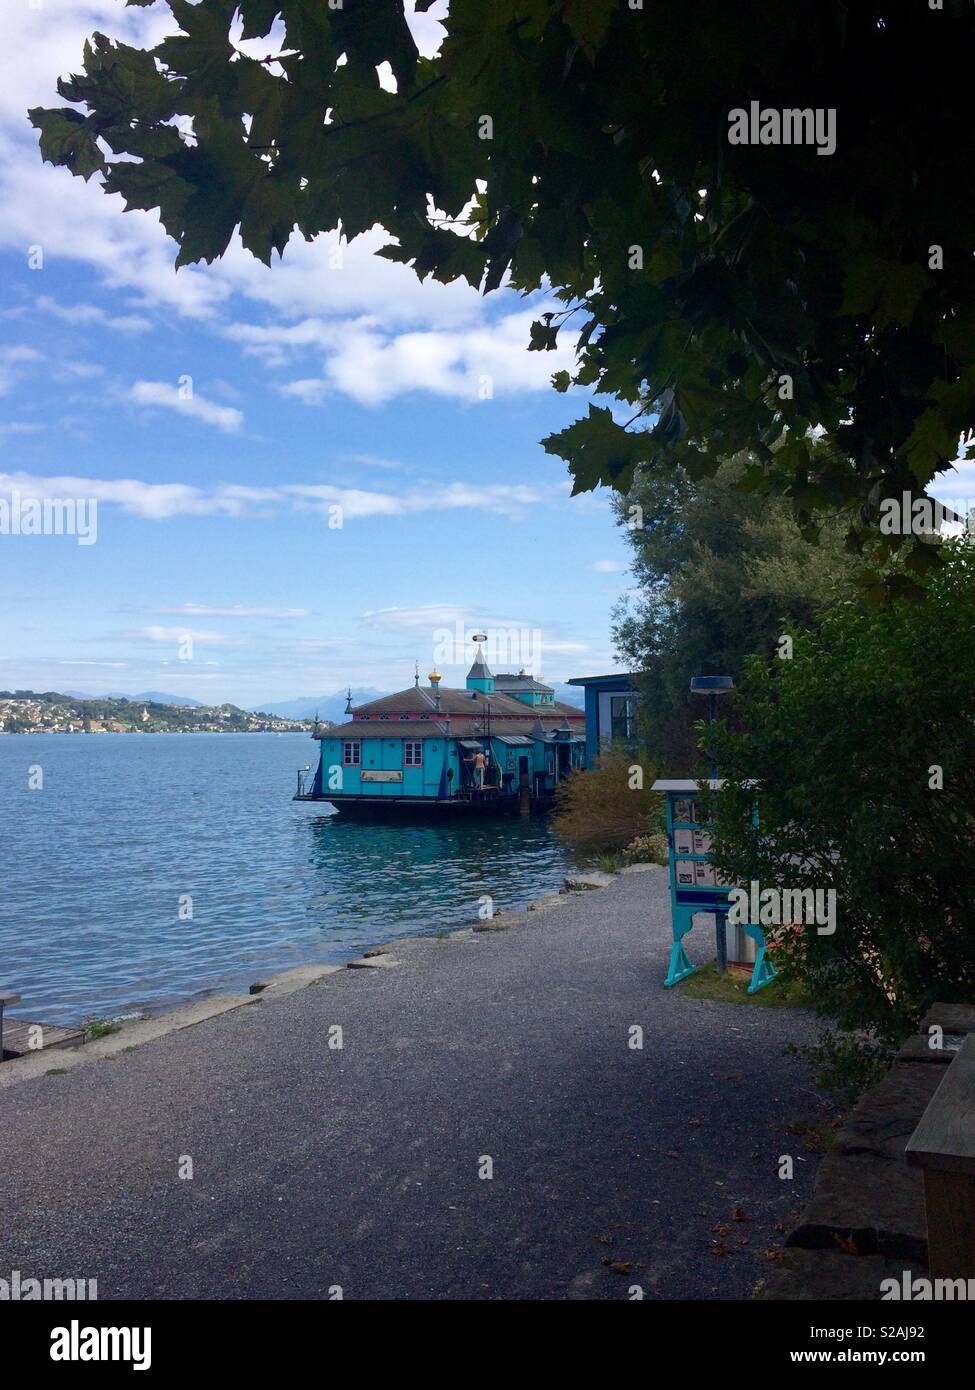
(20, 1033)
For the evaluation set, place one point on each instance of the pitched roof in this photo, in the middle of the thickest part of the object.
(406, 728)
(460, 727)
(420, 700)
(522, 682)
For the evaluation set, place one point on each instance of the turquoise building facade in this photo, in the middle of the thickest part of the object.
(611, 705)
(503, 743)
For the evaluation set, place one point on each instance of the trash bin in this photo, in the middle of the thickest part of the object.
(741, 948)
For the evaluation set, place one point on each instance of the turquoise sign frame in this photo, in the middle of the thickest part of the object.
(693, 885)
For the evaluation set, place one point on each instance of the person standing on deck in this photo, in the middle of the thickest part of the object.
(480, 763)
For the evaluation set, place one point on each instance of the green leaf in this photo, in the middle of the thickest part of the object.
(600, 453)
(888, 290)
(67, 138)
(543, 337)
(268, 217)
(588, 21)
(258, 16)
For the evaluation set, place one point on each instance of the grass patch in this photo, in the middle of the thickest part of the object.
(100, 1028)
(608, 863)
(56, 1071)
(732, 988)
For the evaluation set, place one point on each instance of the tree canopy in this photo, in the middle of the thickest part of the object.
(738, 295)
(720, 575)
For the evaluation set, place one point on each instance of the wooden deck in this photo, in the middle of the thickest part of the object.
(19, 1033)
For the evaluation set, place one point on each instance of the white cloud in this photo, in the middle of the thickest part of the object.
(175, 635)
(505, 499)
(372, 365)
(11, 360)
(159, 501)
(608, 567)
(20, 427)
(202, 610)
(153, 501)
(77, 314)
(428, 616)
(169, 397)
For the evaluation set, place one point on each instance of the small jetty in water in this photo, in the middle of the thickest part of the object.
(499, 746)
(18, 1038)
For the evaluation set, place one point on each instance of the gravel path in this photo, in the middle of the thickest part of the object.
(315, 1167)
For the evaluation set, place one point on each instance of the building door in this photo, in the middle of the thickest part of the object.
(392, 761)
(523, 772)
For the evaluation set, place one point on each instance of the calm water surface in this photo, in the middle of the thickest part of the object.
(95, 863)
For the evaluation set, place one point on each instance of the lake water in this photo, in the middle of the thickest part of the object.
(96, 861)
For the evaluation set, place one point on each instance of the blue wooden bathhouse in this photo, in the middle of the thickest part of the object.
(501, 744)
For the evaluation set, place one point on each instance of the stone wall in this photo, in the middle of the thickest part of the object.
(865, 1221)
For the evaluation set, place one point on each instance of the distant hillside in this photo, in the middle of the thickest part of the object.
(26, 711)
(158, 697)
(329, 708)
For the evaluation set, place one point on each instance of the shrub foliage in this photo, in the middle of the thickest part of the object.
(861, 748)
(600, 812)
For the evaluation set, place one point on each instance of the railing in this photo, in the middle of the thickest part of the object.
(943, 1147)
(306, 782)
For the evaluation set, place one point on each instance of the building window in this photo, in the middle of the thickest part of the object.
(352, 753)
(413, 753)
(622, 713)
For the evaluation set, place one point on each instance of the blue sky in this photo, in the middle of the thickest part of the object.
(330, 380)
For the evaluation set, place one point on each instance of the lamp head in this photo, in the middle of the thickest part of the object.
(711, 685)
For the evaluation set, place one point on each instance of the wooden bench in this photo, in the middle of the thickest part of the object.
(943, 1147)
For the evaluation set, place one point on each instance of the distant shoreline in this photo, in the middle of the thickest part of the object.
(147, 733)
(56, 712)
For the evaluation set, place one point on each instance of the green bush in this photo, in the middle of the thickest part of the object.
(861, 750)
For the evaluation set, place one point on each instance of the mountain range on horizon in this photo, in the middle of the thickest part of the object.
(330, 708)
